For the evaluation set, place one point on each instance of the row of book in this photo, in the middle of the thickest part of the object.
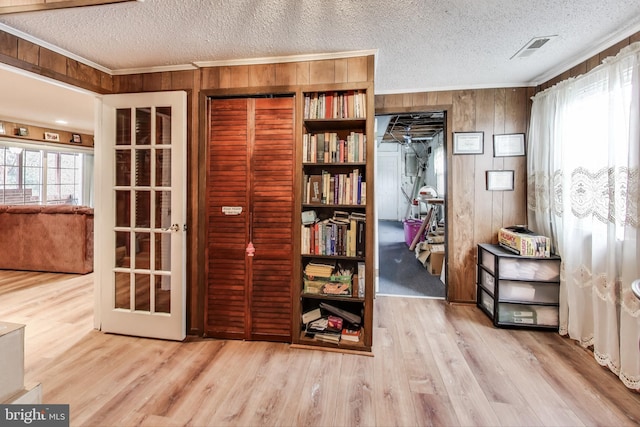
(328, 323)
(335, 236)
(335, 189)
(327, 147)
(335, 105)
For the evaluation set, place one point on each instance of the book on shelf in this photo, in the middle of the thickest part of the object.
(329, 328)
(328, 147)
(335, 188)
(309, 217)
(314, 269)
(361, 238)
(354, 319)
(311, 315)
(334, 323)
(328, 336)
(342, 235)
(335, 105)
(317, 325)
(361, 279)
(351, 335)
(315, 189)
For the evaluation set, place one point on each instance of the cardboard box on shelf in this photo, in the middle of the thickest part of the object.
(522, 241)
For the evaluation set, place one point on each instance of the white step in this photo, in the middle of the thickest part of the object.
(31, 395)
(12, 356)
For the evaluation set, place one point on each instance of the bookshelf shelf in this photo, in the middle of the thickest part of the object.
(331, 297)
(332, 205)
(336, 124)
(334, 257)
(333, 164)
(336, 167)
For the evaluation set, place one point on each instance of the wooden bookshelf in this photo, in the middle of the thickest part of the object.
(336, 144)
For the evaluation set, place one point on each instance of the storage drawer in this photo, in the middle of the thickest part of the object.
(534, 292)
(528, 315)
(486, 301)
(487, 281)
(487, 260)
(529, 269)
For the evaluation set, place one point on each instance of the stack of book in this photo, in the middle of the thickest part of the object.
(328, 323)
(314, 269)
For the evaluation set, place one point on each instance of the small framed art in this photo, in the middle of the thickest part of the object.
(50, 136)
(468, 142)
(508, 145)
(76, 138)
(500, 180)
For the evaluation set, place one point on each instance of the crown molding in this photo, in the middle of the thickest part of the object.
(159, 69)
(285, 59)
(36, 5)
(52, 48)
(603, 45)
(456, 88)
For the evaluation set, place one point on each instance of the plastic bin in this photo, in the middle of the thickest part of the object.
(411, 228)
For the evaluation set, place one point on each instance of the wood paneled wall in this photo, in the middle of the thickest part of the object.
(238, 80)
(28, 56)
(474, 214)
(244, 79)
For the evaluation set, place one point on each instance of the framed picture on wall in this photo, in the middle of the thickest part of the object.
(468, 142)
(508, 145)
(500, 180)
(76, 138)
(50, 136)
(1, 128)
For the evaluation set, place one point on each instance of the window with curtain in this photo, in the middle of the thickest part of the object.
(38, 175)
(582, 165)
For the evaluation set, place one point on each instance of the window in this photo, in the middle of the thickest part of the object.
(43, 175)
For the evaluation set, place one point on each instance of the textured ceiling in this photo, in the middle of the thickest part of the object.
(419, 44)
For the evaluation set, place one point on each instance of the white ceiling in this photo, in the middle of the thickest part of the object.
(420, 45)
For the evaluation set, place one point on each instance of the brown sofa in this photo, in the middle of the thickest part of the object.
(53, 238)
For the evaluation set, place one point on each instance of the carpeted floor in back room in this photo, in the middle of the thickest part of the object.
(400, 273)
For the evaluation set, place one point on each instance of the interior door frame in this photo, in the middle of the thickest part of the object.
(200, 235)
(447, 183)
(203, 256)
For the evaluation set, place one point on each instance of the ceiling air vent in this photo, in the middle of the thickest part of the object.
(532, 46)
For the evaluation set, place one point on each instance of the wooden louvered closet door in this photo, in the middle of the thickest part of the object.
(250, 166)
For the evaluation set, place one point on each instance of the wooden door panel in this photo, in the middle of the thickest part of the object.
(272, 204)
(227, 235)
(251, 145)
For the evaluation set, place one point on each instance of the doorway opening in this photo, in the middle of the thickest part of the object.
(411, 196)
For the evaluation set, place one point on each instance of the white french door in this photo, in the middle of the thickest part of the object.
(140, 214)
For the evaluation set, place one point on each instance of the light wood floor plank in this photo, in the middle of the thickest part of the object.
(434, 364)
(356, 404)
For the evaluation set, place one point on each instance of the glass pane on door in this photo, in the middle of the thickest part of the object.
(143, 229)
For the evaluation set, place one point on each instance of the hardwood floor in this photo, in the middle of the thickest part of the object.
(434, 364)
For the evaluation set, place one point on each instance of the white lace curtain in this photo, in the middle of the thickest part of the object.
(582, 166)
